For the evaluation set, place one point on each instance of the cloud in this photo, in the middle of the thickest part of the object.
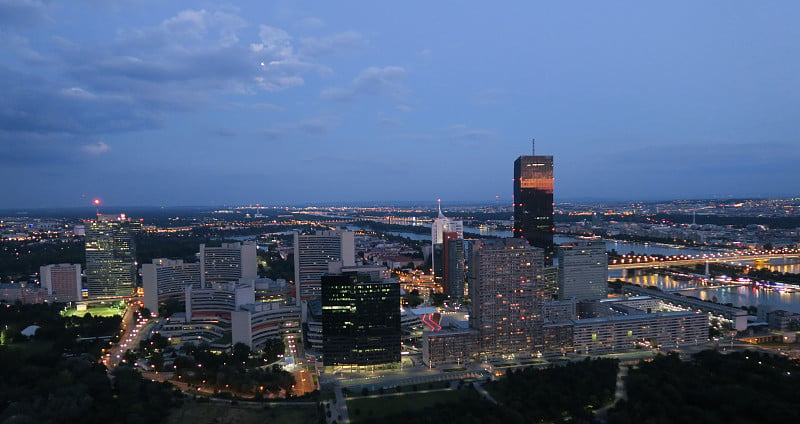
(271, 134)
(133, 79)
(458, 134)
(490, 97)
(22, 13)
(389, 122)
(20, 47)
(311, 22)
(461, 134)
(226, 132)
(710, 157)
(31, 104)
(96, 148)
(332, 44)
(373, 81)
(316, 126)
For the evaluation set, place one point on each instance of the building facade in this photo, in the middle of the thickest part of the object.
(454, 262)
(256, 323)
(506, 288)
(167, 278)
(620, 333)
(110, 257)
(360, 320)
(533, 202)
(62, 282)
(313, 253)
(228, 262)
(582, 270)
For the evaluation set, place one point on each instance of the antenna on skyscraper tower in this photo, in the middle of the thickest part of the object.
(533, 147)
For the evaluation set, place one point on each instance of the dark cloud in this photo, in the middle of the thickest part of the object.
(31, 104)
(133, 80)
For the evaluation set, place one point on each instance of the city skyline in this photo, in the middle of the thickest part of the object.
(184, 103)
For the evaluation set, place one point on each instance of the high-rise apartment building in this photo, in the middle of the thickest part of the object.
(582, 270)
(313, 253)
(506, 288)
(360, 320)
(167, 278)
(62, 281)
(533, 202)
(110, 256)
(229, 262)
(453, 261)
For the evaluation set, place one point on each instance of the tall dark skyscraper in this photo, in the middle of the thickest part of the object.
(360, 320)
(110, 256)
(533, 202)
(453, 262)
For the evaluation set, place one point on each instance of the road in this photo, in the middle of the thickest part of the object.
(130, 334)
(304, 382)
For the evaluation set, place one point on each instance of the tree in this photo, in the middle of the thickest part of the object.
(241, 352)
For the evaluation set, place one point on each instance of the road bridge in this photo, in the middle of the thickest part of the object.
(660, 262)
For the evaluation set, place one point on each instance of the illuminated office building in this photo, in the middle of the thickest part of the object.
(533, 202)
(110, 256)
(360, 320)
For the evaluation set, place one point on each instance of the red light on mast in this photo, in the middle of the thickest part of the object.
(97, 202)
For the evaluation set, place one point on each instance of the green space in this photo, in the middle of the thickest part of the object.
(199, 412)
(738, 387)
(54, 376)
(367, 409)
(96, 311)
(406, 388)
(30, 347)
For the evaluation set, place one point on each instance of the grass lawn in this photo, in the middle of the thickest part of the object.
(31, 347)
(193, 412)
(362, 409)
(100, 311)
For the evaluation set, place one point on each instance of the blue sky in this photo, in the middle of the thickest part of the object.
(189, 103)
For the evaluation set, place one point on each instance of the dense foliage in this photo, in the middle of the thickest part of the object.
(72, 335)
(237, 371)
(744, 387)
(55, 377)
(556, 394)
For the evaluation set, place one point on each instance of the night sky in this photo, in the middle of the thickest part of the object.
(145, 102)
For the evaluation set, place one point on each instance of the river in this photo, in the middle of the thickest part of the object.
(737, 295)
(622, 247)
